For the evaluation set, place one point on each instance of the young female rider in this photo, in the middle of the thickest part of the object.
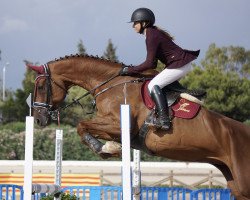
(160, 46)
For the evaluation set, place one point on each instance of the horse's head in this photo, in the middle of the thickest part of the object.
(49, 91)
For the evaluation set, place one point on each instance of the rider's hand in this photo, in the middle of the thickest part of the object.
(124, 71)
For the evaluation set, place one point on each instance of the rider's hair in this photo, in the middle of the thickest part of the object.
(165, 32)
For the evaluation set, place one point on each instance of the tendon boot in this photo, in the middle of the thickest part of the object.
(162, 121)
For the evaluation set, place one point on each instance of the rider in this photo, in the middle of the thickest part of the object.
(160, 46)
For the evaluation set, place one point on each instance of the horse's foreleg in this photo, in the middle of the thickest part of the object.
(98, 147)
(94, 144)
(101, 128)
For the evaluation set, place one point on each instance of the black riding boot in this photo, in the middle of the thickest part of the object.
(162, 120)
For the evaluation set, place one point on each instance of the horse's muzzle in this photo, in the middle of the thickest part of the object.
(41, 116)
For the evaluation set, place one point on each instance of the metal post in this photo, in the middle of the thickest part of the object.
(4, 70)
(28, 163)
(4, 83)
(126, 167)
(210, 181)
(58, 157)
(136, 175)
(171, 178)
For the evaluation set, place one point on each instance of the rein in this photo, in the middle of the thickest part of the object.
(54, 114)
(138, 80)
(76, 101)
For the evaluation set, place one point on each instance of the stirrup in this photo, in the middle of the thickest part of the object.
(166, 126)
(163, 124)
(155, 123)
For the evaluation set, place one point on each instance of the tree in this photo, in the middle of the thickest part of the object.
(15, 107)
(224, 75)
(79, 111)
(81, 48)
(110, 52)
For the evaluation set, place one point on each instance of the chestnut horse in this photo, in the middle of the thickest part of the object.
(209, 137)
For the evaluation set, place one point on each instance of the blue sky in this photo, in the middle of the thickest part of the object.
(41, 31)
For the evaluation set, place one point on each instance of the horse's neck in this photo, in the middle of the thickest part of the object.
(86, 74)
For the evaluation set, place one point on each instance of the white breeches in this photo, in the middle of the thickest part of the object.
(167, 76)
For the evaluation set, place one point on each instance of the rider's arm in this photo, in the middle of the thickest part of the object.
(150, 62)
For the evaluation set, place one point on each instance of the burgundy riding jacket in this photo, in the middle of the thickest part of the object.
(161, 47)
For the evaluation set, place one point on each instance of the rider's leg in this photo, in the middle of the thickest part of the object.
(167, 76)
(162, 120)
(164, 78)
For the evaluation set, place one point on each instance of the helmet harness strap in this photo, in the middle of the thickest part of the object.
(144, 24)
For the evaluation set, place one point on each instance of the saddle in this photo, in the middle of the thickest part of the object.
(182, 102)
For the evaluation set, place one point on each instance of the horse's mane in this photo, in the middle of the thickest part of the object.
(85, 56)
(148, 73)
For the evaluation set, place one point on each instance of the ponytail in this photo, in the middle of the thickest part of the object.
(165, 32)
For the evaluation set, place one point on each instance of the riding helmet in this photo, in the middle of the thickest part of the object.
(143, 14)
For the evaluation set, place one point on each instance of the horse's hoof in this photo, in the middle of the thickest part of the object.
(105, 155)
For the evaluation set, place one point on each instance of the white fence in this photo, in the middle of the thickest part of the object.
(153, 173)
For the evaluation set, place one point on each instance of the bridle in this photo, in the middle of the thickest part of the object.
(54, 113)
(47, 105)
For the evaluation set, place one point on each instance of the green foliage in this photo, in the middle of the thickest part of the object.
(160, 66)
(81, 49)
(146, 157)
(64, 196)
(12, 144)
(15, 107)
(77, 112)
(247, 122)
(226, 83)
(14, 127)
(110, 52)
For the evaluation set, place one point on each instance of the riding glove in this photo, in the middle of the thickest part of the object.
(124, 71)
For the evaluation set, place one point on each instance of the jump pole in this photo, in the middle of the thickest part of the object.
(28, 187)
(28, 163)
(136, 174)
(126, 158)
(58, 158)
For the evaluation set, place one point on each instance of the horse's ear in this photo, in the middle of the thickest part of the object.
(38, 69)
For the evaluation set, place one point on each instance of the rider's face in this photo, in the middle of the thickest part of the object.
(137, 27)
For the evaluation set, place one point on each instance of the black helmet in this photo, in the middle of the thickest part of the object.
(143, 14)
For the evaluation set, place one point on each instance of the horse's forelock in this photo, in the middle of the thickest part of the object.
(38, 69)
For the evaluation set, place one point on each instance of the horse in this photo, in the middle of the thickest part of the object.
(208, 137)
